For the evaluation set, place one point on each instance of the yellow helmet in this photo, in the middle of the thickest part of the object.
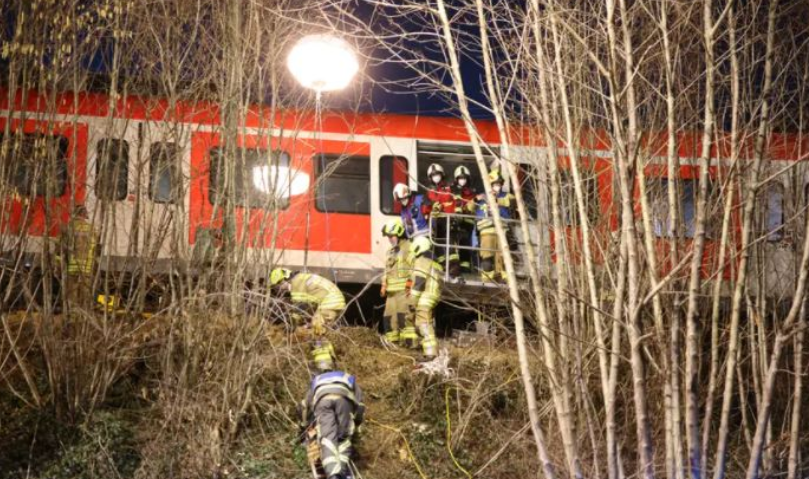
(394, 227)
(495, 176)
(278, 275)
(421, 245)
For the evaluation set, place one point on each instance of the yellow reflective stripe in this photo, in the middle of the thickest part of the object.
(334, 301)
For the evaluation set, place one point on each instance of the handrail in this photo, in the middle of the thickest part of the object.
(447, 244)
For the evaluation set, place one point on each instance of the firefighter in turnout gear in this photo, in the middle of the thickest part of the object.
(334, 407)
(415, 211)
(442, 201)
(464, 195)
(424, 291)
(397, 322)
(491, 259)
(320, 296)
(79, 244)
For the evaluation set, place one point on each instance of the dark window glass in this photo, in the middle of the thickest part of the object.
(774, 216)
(392, 170)
(343, 184)
(570, 210)
(164, 173)
(260, 178)
(34, 164)
(688, 191)
(449, 165)
(111, 169)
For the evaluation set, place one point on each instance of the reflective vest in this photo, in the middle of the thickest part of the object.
(398, 267)
(414, 217)
(485, 223)
(313, 289)
(427, 282)
(81, 247)
(333, 382)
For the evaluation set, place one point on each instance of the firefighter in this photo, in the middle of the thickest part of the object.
(334, 408)
(442, 201)
(315, 293)
(415, 211)
(80, 245)
(397, 322)
(464, 194)
(424, 292)
(491, 259)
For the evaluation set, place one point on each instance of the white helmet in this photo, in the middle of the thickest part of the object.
(435, 169)
(400, 191)
(462, 171)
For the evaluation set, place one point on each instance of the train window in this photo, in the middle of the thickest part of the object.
(260, 178)
(343, 184)
(774, 215)
(111, 169)
(164, 173)
(36, 165)
(689, 188)
(392, 170)
(570, 212)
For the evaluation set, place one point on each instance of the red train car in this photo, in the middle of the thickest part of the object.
(156, 172)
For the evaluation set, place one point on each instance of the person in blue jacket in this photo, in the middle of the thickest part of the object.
(491, 259)
(415, 211)
(334, 405)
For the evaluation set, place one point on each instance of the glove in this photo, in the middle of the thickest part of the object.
(437, 207)
(408, 287)
(383, 291)
(318, 328)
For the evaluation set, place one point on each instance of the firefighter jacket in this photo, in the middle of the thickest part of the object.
(464, 198)
(398, 267)
(334, 383)
(441, 199)
(80, 244)
(313, 290)
(505, 203)
(414, 216)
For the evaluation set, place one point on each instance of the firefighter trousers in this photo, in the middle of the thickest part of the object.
(397, 321)
(491, 259)
(334, 415)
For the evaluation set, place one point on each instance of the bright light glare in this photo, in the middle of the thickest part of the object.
(268, 178)
(323, 63)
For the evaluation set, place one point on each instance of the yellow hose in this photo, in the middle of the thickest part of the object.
(449, 437)
(407, 445)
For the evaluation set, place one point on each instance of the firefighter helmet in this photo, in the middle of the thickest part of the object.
(435, 169)
(400, 191)
(394, 227)
(495, 177)
(279, 275)
(421, 245)
(462, 171)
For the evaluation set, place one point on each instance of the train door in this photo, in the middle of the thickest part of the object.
(392, 161)
(162, 153)
(778, 229)
(533, 185)
(112, 186)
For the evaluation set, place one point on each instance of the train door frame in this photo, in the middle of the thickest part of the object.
(382, 147)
